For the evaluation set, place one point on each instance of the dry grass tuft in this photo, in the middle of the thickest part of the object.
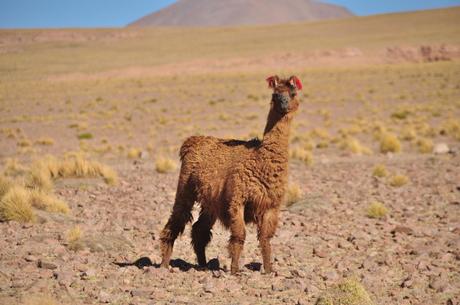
(376, 210)
(349, 292)
(398, 180)
(14, 168)
(164, 165)
(44, 141)
(303, 155)
(425, 146)
(48, 202)
(389, 143)
(15, 205)
(354, 146)
(380, 171)
(134, 153)
(5, 185)
(74, 240)
(293, 194)
(78, 167)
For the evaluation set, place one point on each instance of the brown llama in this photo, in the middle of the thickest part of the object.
(236, 182)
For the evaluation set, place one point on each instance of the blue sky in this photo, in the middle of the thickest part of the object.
(116, 13)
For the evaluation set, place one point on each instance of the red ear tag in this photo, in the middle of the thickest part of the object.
(271, 81)
(298, 84)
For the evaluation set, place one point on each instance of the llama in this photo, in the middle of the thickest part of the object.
(236, 182)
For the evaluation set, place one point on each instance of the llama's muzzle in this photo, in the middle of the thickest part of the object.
(282, 100)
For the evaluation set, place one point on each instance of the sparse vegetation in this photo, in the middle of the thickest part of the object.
(380, 171)
(389, 143)
(293, 194)
(85, 136)
(74, 239)
(164, 165)
(425, 146)
(348, 292)
(398, 180)
(376, 210)
(15, 205)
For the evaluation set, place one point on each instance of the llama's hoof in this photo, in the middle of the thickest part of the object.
(234, 271)
(164, 265)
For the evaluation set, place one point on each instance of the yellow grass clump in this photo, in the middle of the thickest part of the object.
(303, 155)
(376, 210)
(164, 165)
(389, 143)
(74, 239)
(380, 171)
(5, 185)
(354, 146)
(48, 202)
(293, 194)
(134, 153)
(348, 292)
(14, 168)
(425, 146)
(408, 133)
(398, 180)
(15, 205)
(451, 127)
(78, 167)
(44, 141)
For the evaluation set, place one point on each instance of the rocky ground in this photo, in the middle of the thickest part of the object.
(409, 257)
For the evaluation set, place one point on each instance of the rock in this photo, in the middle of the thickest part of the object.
(142, 293)
(208, 286)
(439, 284)
(46, 265)
(30, 258)
(330, 276)
(407, 282)
(144, 155)
(88, 274)
(402, 229)
(105, 297)
(441, 148)
(319, 252)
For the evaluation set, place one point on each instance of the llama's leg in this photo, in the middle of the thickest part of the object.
(266, 228)
(181, 214)
(201, 236)
(238, 234)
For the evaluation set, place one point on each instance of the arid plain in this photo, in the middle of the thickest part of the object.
(91, 122)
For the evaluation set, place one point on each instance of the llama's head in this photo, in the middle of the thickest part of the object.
(284, 98)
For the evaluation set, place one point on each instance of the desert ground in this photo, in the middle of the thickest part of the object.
(91, 122)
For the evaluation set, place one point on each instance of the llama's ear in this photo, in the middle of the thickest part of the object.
(295, 81)
(273, 81)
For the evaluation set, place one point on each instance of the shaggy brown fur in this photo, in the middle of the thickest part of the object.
(236, 182)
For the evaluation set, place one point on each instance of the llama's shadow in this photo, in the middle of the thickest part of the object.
(182, 265)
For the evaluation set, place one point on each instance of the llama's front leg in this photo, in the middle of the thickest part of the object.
(238, 234)
(266, 229)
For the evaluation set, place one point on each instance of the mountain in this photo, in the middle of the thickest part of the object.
(241, 12)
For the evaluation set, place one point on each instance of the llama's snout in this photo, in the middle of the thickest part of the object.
(282, 100)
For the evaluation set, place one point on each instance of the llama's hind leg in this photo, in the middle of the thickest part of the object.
(180, 216)
(201, 235)
(238, 234)
(266, 229)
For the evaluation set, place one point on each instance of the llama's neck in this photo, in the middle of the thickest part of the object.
(276, 134)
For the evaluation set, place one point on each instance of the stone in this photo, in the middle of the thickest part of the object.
(402, 229)
(142, 293)
(46, 265)
(319, 252)
(105, 297)
(441, 148)
(31, 258)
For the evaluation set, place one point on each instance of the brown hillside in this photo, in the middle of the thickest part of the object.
(241, 12)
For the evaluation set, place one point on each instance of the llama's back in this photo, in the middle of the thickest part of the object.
(208, 161)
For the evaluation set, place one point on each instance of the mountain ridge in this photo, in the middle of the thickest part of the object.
(241, 12)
